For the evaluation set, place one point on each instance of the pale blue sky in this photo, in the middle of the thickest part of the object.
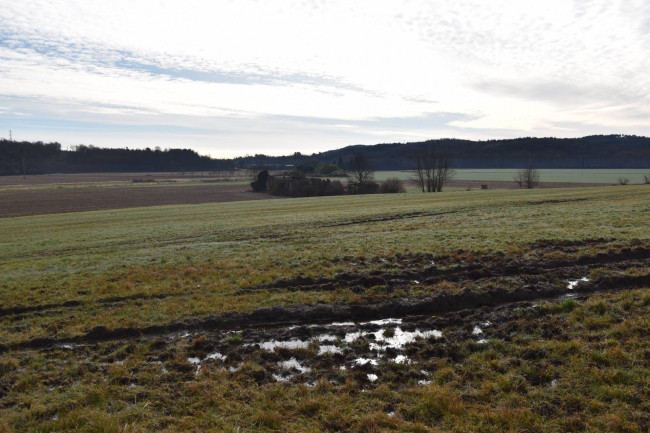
(228, 78)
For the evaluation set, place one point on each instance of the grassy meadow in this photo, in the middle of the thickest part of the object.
(160, 265)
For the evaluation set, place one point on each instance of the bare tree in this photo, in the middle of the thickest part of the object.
(623, 180)
(361, 171)
(527, 177)
(432, 170)
(646, 179)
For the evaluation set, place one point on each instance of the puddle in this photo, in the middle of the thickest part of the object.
(216, 355)
(574, 283)
(329, 349)
(339, 351)
(270, 346)
(397, 340)
(400, 338)
(364, 361)
(337, 324)
(289, 368)
(197, 362)
(293, 363)
(389, 321)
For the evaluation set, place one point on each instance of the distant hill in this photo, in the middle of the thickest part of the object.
(596, 151)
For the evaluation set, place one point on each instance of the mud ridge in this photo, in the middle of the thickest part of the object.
(19, 312)
(18, 309)
(118, 299)
(569, 200)
(432, 274)
(323, 313)
(391, 218)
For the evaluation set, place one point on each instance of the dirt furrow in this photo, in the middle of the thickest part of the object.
(468, 272)
(321, 313)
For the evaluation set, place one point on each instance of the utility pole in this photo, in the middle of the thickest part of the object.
(10, 137)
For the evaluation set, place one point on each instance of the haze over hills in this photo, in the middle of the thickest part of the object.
(596, 151)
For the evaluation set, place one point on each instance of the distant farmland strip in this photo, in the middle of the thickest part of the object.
(40, 202)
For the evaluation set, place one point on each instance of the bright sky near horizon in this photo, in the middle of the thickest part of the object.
(228, 78)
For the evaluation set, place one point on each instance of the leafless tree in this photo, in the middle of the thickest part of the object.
(527, 177)
(361, 171)
(432, 170)
(646, 179)
(623, 180)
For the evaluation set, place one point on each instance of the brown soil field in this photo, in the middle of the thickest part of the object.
(48, 201)
(61, 193)
(52, 179)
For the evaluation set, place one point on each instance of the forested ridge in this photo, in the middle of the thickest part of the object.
(596, 151)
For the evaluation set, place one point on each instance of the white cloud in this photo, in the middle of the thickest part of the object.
(505, 66)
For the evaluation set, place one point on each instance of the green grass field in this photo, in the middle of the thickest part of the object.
(610, 176)
(170, 264)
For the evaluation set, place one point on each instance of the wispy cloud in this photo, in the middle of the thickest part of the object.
(278, 76)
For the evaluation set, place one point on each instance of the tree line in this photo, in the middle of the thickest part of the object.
(598, 151)
(22, 157)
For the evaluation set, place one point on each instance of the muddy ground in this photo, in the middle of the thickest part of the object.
(483, 326)
(393, 335)
(406, 349)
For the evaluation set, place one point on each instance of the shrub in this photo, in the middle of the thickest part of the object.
(296, 184)
(329, 170)
(391, 185)
(260, 185)
(363, 188)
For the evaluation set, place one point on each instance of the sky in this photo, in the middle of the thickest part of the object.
(229, 78)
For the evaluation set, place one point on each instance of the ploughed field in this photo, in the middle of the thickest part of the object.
(462, 311)
(64, 200)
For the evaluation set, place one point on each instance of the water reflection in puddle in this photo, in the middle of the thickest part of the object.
(395, 339)
(401, 359)
(574, 283)
(364, 361)
(290, 367)
(389, 321)
(196, 362)
(293, 363)
(270, 346)
(216, 355)
(329, 349)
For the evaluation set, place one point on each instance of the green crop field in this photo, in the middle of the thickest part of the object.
(487, 311)
(610, 176)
